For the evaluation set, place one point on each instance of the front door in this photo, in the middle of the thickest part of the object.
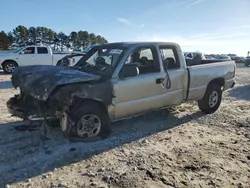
(144, 92)
(27, 57)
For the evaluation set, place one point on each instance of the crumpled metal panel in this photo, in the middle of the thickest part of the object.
(40, 80)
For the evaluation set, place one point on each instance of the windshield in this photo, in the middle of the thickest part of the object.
(88, 48)
(17, 50)
(100, 60)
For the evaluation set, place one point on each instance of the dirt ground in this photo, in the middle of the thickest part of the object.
(178, 147)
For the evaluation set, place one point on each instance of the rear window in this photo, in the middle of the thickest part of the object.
(42, 50)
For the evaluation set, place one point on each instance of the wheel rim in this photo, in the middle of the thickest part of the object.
(88, 126)
(10, 67)
(213, 99)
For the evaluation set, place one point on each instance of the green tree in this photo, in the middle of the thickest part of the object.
(73, 39)
(4, 41)
(100, 40)
(32, 35)
(63, 40)
(92, 38)
(82, 39)
(20, 35)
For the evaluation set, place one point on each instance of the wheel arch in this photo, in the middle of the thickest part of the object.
(5, 61)
(218, 81)
(79, 101)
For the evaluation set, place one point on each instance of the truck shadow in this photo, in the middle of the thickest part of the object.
(5, 85)
(241, 92)
(23, 155)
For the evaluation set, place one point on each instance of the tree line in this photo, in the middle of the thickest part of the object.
(22, 36)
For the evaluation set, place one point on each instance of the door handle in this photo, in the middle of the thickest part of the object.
(159, 80)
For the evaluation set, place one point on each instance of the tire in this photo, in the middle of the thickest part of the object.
(207, 105)
(63, 62)
(247, 63)
(85, 111)
(9, 66)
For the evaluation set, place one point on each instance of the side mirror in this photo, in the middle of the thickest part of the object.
(22, 52)
(129, 70)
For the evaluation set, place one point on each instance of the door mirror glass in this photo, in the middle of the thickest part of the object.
(129, 70)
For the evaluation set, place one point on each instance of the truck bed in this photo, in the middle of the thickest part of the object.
(204, 61)
(200, 76)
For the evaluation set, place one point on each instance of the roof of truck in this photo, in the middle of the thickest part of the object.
(128, 44)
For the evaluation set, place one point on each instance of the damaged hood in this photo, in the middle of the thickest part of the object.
(40, 80)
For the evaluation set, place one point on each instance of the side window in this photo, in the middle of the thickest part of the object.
(190, 55)
(145, 60)
(29, 50)
(42, 50)
(170, 57)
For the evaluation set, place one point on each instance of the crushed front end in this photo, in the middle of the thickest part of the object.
(32, 110)
(49, 94)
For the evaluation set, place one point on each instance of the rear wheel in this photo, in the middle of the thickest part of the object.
(211, 100)
(9, 66)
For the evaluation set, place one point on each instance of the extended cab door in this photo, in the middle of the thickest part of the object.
(171, 60)
(43, 56)
(144, 92)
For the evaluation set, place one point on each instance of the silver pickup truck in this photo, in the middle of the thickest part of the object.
(115, 81)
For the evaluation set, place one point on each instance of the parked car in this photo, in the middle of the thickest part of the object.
(224, 57)
(191, 55)
(29, 55)
(74, 57)
(247, 61)
(197, 58)
(238, 59)
(115, 81)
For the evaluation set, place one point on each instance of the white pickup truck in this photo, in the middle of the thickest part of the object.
(29, 55)
(115, 81)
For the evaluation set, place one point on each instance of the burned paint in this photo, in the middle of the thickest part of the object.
(61, 84)
(40, 80)
(102, 91)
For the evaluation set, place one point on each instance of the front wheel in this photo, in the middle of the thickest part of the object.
(211, 100)
(247, 63)
(9, 66)
(91, 122)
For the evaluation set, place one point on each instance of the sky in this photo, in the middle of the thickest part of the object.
(209, 26)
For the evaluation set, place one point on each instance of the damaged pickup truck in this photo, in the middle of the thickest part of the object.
(115, 81)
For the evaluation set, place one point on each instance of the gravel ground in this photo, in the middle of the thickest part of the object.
(178, 147)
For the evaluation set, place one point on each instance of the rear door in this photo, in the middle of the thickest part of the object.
(43, 56)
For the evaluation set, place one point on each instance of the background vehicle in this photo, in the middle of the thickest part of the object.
(115, 81)
(247, 61)
(70, 60)
(29, 55)
(197, 58)
(238, 59)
